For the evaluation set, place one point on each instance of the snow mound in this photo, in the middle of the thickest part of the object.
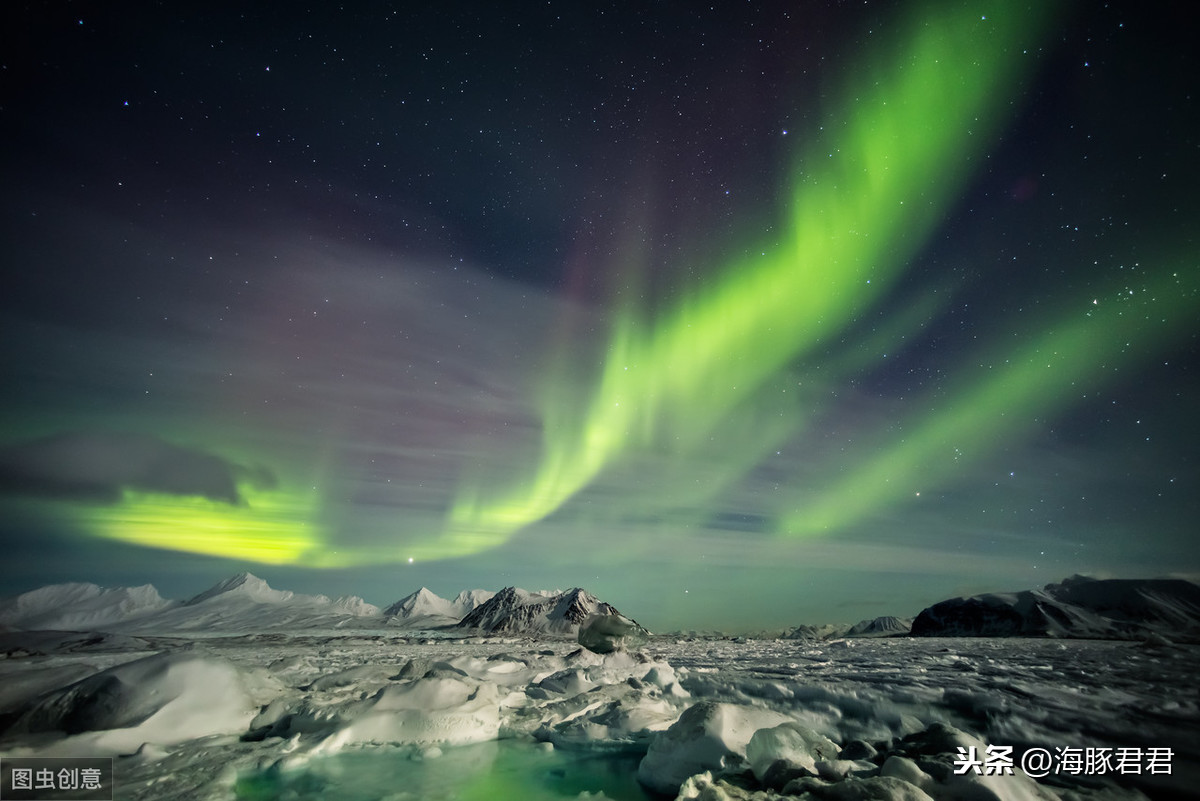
(435, 710)
(797, 746)
(708, 736)
(932, 755)
(603, 634)
(703, 787)
(922, 767)
(605, 707)
(1077, 607)
(161, 699)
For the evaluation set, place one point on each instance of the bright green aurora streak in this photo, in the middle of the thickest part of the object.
(891, 160)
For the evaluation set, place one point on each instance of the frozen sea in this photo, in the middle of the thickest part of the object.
(391, 715)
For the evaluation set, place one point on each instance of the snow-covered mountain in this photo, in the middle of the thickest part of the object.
(241, 603)
(1077, 607)
(246, 603)
(80, 606)
(467, 600)
(243, 587)
(886, 626)
(516, 610)
(424, 604)
(353, 605)
(431, 609)
(811, 632)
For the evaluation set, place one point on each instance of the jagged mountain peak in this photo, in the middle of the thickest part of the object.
(246, 602)
(516, 610)
(425, 595)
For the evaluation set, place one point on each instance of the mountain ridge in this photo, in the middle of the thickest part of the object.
(1076, 607)
(80, 605)
(245, 602)
(424, 603)
(514, 609)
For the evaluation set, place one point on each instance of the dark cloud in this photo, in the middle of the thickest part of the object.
(98, 466)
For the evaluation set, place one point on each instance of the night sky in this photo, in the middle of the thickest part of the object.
(738, 316)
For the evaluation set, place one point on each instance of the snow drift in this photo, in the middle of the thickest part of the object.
(162, 699)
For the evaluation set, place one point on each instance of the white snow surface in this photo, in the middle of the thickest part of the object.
(714, 719)
(249, 692)
(163, 699)
(708, 736)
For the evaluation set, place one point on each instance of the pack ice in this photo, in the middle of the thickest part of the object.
(249, 692)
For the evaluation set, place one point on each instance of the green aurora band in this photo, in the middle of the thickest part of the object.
(699, 382)
(893, 159)
(1006, 395)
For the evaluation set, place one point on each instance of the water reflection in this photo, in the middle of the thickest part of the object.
(516, 769)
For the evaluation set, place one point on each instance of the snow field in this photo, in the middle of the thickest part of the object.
(709, 719)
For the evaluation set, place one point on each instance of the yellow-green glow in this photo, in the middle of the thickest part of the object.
(270, 527)
(689, 398)
(894, 155)
(1001, 399)
(278, 527)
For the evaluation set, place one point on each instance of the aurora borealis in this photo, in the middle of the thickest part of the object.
(741, 317)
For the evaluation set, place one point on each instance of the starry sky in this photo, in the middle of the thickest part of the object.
(739, 316)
